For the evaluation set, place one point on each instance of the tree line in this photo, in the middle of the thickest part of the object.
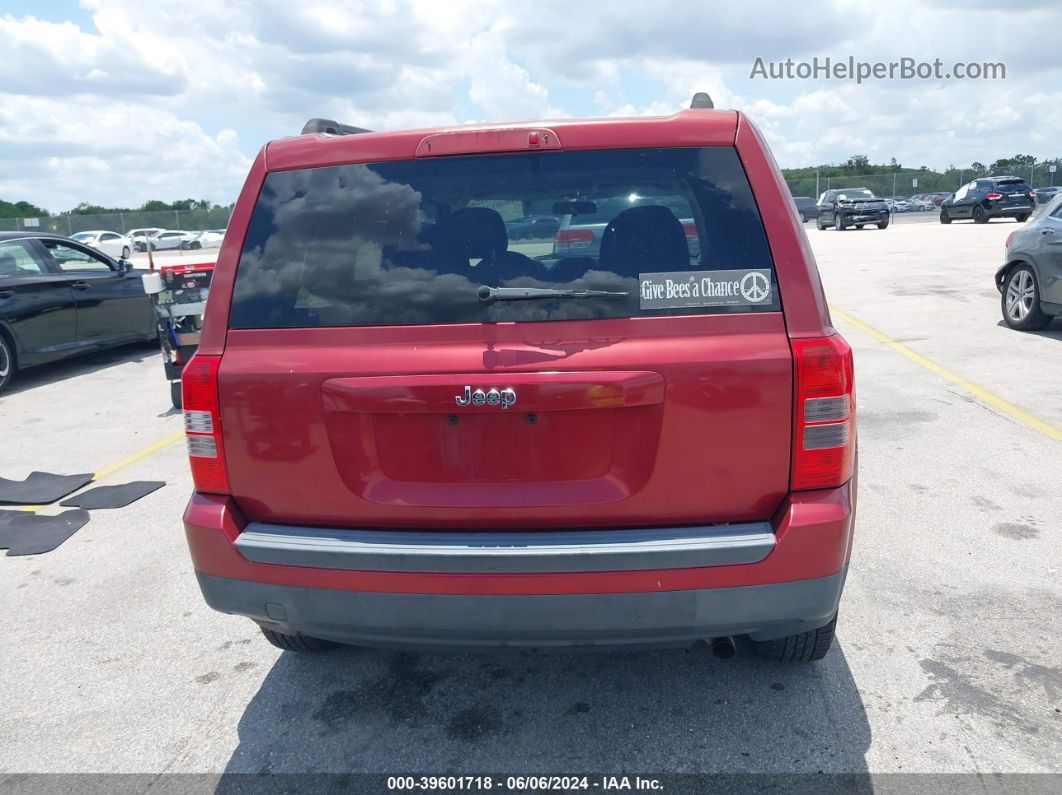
(880, 177)
(23, 209)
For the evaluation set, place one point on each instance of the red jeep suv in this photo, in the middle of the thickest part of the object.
(408, 427)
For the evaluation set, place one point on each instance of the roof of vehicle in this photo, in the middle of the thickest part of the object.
(685, 128)
(98, 232)
(25, 234)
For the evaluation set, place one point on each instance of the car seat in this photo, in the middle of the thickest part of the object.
(8, 265)
(478, 233)
(644, 240)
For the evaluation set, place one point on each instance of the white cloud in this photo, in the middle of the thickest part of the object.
(501, 88)
(120, 154)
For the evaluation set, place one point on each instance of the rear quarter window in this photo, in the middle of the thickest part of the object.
(666, 232)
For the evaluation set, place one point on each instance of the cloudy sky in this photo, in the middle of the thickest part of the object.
(116, 101)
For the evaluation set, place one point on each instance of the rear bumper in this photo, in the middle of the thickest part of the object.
(1000, 211)
(571, 588)
(451, 621)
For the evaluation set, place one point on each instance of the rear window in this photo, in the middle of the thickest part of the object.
(1012, 184)
(660, 231)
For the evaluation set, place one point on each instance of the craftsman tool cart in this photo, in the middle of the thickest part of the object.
(180, 293)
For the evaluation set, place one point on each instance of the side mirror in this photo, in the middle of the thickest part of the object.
(124, 266)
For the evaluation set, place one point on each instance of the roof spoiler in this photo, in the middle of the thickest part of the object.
(330, 127)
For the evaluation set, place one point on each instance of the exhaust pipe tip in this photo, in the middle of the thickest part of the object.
(724, 648)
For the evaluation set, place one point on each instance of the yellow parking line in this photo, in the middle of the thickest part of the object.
(979, 392)
(151, 448)
(131, 459)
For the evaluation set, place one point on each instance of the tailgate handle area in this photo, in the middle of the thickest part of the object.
(456, 394)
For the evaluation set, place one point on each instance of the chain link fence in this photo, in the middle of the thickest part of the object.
(901, 183)
(124, 222)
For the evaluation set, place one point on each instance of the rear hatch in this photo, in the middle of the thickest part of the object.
(394, 360)
(1014, 193)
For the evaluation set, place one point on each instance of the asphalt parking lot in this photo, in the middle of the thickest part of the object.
(949, 651)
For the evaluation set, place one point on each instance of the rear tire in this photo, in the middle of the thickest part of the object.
(859, 226)
(979, 216)
(1021, 219)
(8, 365)
(1020, 301)
(819, 224)
(298, 642)
(126, 252)
(802, 647)
(175, 394)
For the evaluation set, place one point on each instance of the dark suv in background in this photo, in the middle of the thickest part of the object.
(990, 197)
(806, 208)
(845, 207)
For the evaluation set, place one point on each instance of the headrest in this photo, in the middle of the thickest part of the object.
(472, 232)
(643, 240)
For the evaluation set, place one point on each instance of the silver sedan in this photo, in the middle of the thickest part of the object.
(1030, 281)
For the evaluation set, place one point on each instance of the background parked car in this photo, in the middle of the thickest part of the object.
(59, 298)
(110, 243)
(990, 197)
(140, 237)
(805, 207)
(176, 239)
(1030, 281)
(533, 227)
(900, 204)
(922, 202)
(845, 207)
(1044, 195)
(211, 238)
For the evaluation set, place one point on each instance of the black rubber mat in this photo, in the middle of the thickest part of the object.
(31, 534)
(40, 488)
(113, 496)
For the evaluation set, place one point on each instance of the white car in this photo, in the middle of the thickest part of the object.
(110, 243)
(140, 236)
(172, 238)
(211, 238)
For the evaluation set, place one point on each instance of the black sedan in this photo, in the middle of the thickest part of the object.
(59, 298)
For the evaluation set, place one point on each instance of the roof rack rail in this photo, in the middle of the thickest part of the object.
(331, 127)
(701, 101)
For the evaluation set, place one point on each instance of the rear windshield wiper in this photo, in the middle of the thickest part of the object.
(486, 293)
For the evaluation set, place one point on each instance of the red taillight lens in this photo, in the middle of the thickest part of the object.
(690, 230)
(994, 196)
(573, 238)
(824, 414)
(202, 424)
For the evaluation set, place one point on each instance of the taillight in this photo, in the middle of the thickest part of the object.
(824, 414)
(568, 239)
(993, 196)
(202, 424)
(690, 230)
